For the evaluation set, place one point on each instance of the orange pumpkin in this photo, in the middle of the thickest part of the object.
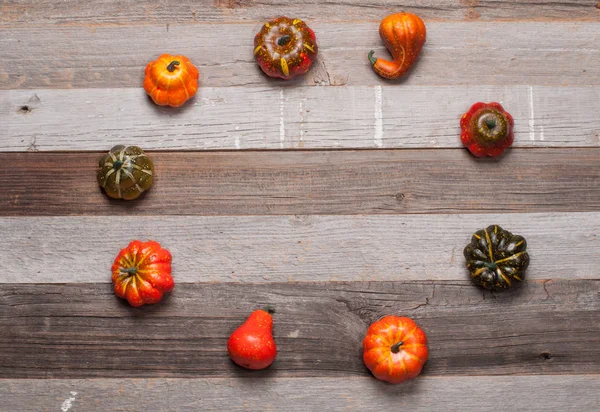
(404, 36)
(171, 80)
(395, 349)
(141, 273)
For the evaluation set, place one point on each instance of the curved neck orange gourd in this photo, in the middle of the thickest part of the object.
(404, 35)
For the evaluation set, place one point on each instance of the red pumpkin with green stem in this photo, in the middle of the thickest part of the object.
(395, 349)
(285, 48)
(487, 129)
(141, 273)
(252, 345)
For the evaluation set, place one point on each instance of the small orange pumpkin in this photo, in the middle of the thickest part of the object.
(395, 349)
(404, 36)
(141, 273)
(171, 80)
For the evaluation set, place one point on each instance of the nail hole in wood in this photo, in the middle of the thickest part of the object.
(546, 355)
(24, 109)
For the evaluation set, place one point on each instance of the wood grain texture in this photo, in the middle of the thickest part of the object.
(291, 118)
(16, 12)
(567, 393)
(84, 330)
(292, 248)
(313, 182)
(456, 53)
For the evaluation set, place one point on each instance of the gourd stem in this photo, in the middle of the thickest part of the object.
(490, 123)
(283, 40)
(131, 271)
(396, 348)
(171, 66)
(117, 164)
(371, 58)
(269, 309)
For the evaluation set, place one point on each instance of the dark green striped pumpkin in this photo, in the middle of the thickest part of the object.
(496, 258)
(125, 172)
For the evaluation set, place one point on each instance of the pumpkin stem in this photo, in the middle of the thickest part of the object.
(131, 271)
(283, 40)
(396, 348)
(269, 309)
(371, 58)
(171, 66)
(490, 123)
(117, 164)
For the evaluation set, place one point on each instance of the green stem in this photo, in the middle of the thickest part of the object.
(117, 164)
(131, 271)
(283, 40)
(171, 66)
(490, 123)
(396, 348)
(371, 58)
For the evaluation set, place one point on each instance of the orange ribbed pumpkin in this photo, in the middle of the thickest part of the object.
(171, 80)
(404, 36)
(395, 349)
(141, 273)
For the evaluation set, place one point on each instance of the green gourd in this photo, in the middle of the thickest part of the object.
(125, 172)
(496, 258)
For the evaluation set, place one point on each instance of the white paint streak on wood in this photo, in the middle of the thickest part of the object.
(531, 115)
(68, 403)
(302, 118)
(281, 118)
(378, 116)
(289, 248)
(236, 141)
(345, 393)
(431, 120)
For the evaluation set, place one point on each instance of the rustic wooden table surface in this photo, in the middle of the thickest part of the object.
(337, 198)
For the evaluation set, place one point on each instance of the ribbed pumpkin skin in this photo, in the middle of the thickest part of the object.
(141, 273)
(125, 172)
(170, 84)
(496, 258)
(285, 59)
(395, 349)
(404, 35)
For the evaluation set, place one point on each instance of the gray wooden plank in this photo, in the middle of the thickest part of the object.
(15, 12)
(311, 182)
(532, 53)
(291, 118)
(292, 248)
(84, 330)
(576, 393)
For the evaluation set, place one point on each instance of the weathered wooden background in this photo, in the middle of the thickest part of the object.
(258, 204)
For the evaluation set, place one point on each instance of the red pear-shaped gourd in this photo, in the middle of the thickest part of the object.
(252, 345)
